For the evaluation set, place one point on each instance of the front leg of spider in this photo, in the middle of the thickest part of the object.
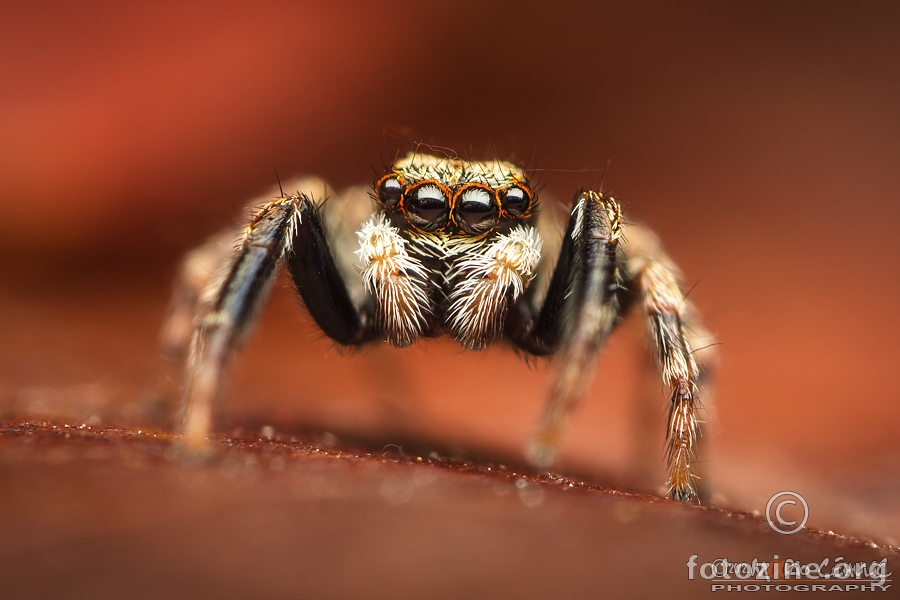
(593, 284)
(288, 230)
(580, 309)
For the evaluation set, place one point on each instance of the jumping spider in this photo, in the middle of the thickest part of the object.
(451, 248)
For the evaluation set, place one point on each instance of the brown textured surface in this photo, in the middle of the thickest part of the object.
(761, 141)
(105, 511)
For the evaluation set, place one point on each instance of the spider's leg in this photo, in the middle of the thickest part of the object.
(674, 329)
(192, 296)
(289, 229)
(579, 311)
(324, 291)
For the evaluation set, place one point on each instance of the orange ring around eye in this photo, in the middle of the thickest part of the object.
(529, 198)
(378, 184)
(495, 197)
(406, 208)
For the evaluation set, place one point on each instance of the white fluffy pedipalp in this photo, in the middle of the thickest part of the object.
(397, 281)
(484, 281)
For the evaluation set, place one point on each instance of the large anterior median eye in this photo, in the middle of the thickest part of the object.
(475, 209)
(390, 190)
(426, 206)
(516, 201)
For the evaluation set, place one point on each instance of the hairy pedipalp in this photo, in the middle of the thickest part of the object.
(484, 283)
(396, 280)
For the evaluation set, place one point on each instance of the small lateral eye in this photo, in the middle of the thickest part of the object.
(390, 190)
(476, 209)
(427, 207)
(516, 201)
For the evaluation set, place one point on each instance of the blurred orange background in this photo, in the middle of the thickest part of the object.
(760, 140)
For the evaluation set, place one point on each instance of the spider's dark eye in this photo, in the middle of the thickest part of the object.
(516, 201)
(476, 209)
(389, 191)
(426, 206)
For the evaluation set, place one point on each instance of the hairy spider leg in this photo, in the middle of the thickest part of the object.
(704, 349)
(319, 282)
(579, 311)
(288, 230)
(223, 327)
(199, 280)
(673, 328)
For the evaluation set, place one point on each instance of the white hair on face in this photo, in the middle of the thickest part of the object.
(398, 282)
(479, 301)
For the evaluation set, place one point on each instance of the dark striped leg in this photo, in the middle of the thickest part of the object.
(579, 311)
(284, 229)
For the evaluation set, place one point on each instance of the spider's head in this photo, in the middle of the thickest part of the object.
(470, 197)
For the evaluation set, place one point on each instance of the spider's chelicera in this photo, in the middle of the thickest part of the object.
(451, 247)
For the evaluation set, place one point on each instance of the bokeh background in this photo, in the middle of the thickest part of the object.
(760, 140)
